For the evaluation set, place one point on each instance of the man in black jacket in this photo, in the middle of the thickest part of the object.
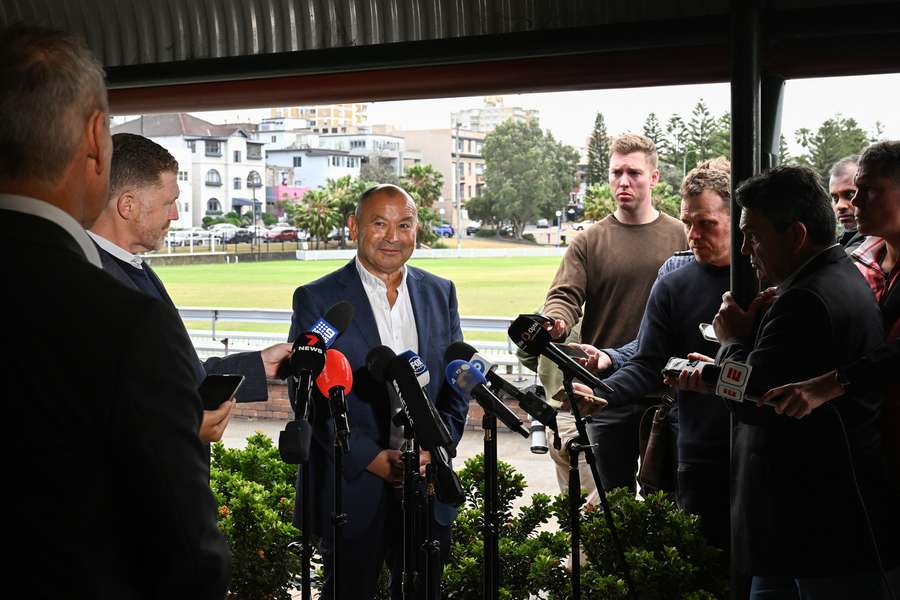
(106, 477)
(798, 518)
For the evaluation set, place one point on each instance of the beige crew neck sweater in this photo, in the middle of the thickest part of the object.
(609, 269)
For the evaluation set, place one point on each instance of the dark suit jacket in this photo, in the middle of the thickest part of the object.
(248, 364)
(795, 509)
(109, 488)
(437, 322)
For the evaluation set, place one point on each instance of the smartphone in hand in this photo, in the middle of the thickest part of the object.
(217, 389)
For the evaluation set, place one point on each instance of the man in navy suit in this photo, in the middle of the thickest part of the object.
(404, 308)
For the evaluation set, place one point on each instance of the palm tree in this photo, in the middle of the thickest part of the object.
(424, 183)
(342, 192)
(318, 214)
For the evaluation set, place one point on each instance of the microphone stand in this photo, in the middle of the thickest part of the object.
(491, 590)
(431, 547)
(581, 425)
(341, 445)
(304, 388)
(574, 447)
(410, 456)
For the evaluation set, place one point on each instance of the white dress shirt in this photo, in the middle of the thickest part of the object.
(396, 325)
(119, 252)
(54, 214)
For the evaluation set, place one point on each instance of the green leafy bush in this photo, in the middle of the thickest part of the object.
(529, 237)
(485, 232)
(254, 490)
(664, 548)
(530, 559)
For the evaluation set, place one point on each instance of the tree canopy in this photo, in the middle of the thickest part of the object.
(528, 174)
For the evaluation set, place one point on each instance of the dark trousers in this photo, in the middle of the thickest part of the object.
(361, 559)
(703, 490)
(614, 433)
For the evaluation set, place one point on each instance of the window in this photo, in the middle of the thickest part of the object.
(334, 161)
(254, 180)
(213, 148)
(274, 138)
(237, 183)
(461, 191)
(479, 189)
(357, 143)
(298, 161)
(192, 145)
(460, 170)
(469, 168)
(479, 169)
(213, 207)
(237, 156)
(213, 178)
(182, 175)
(187, 207)
(254, 151)
(470, 192)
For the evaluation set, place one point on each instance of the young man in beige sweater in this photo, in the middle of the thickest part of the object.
(606, 276)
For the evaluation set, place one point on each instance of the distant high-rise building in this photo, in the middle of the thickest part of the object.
(486, 118)
(327, 118)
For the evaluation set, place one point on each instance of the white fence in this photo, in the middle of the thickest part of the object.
(443, 253)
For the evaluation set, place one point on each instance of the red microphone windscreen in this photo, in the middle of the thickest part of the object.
(337, 373)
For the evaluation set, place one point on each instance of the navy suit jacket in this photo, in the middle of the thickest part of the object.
(248, 364)
(437, 322)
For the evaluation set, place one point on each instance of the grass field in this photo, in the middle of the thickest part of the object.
(485, 286)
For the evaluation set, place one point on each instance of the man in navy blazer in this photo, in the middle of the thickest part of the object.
(404, 308)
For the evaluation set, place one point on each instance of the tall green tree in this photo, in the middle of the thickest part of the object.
(341, 193)
(676, 143)
(699, 131)
(527, 174)
(720, 137)
(784, 153)
(317, 215)
(598, 152)
(654, 132)
(835, 138)
(424, 183)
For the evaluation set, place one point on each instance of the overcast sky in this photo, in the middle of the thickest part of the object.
(570, 115)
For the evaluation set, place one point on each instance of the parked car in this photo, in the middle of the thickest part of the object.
(239, 235)
(196, 236)
(283, 234)
(472, 227)
(335, 234)
(542, 224)
(443, 230)
(581, 226)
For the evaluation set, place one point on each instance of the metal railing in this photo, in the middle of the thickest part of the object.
(216, 341)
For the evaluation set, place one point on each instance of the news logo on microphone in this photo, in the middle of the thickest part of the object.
(328, 332)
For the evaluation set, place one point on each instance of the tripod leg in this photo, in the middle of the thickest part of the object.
(580, 424)
(573, 448)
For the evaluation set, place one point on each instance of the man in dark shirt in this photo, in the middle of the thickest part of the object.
(679, 302)
(143, 201)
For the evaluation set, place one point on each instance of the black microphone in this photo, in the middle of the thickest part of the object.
(399, 373)
(306, 362)
(334, 323)
(528, 401)
(529, 334)
(468, 381)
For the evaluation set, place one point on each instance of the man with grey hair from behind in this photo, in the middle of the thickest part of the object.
(111, 495)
